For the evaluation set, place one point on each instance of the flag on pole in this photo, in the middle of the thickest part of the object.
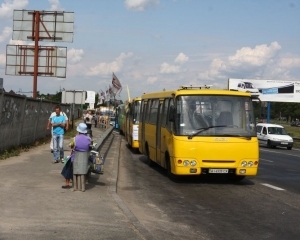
(101, 97)
(111, 92)
(107, 95)
(116, 84)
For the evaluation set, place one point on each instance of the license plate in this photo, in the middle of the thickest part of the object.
(218, 170)
(284, 143)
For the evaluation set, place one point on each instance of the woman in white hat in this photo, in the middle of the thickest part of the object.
(81, 143)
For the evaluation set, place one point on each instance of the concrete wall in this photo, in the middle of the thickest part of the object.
(23, 120)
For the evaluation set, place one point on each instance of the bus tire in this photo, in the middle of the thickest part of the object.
(169, 171)
(136, 150)
(149, 161)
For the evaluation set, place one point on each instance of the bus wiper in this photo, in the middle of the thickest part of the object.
(237, 135)
(200, 130)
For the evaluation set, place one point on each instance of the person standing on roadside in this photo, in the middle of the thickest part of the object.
(96, 120)
(88, 120)
(49, 123)
(58, 123)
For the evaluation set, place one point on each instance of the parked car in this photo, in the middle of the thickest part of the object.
(295, 124)
(273, 135)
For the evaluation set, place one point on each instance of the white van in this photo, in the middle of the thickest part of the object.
(248, 87)
(273, 135)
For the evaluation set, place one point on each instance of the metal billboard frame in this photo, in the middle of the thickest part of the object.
(52, 60)
(41, 26)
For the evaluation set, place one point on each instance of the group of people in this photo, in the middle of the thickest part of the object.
(90, 119)
(59, 123)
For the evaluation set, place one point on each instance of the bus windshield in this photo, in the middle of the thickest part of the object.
(214, 115)
(136, 112)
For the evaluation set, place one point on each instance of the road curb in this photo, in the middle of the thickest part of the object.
(144, 233)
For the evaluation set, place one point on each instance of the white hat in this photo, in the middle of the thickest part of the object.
(82, 128)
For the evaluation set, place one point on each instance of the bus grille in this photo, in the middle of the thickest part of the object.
(218, 161)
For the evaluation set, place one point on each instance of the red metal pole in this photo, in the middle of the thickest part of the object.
(36, 52)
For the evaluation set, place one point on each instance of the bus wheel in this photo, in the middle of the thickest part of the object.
(149, 161)
(235, 178)
(169, 172)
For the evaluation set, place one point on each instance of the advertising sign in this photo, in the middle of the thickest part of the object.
(90, 97)
(268, 90)
(76, 97)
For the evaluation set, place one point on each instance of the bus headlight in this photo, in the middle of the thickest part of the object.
(244, 163)
(250, 164)
(193, 163)
(186, 163)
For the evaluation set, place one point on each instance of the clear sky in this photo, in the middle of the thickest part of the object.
(153, 45)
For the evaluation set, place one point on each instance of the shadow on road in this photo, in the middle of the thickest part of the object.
(200, 179)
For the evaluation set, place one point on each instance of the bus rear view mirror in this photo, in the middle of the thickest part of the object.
(172, 114)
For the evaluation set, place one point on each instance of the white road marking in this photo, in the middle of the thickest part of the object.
(279, 152)
(265, 160)
(271, 186)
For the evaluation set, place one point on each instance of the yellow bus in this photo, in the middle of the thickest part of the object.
(132, 122)
(196, 130)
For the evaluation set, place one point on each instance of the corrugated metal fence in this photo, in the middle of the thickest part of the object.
(23, 120)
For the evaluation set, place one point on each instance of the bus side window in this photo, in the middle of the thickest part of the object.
(153, 111)
(147, 115)
(171, 103)
(142, 109)
(164, 113)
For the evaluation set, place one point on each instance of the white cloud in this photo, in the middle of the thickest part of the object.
(158, 36)
(6, 9)
(5, 33)
(74, 56)
(107, 68)
(258, 56)
(152, 80)
(289, 62)
(55, 5)
(166, 68)
(247, 62)
(181, 58)
(140, 5)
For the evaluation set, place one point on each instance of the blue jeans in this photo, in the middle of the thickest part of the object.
(58, 146)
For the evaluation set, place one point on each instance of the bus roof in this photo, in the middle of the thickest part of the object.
(193, 91)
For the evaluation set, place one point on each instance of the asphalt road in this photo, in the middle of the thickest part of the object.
(264, 207)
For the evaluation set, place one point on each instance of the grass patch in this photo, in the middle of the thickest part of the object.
(71, 132)
(17, 150)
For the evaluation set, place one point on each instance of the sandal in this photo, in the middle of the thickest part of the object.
(66, 187)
